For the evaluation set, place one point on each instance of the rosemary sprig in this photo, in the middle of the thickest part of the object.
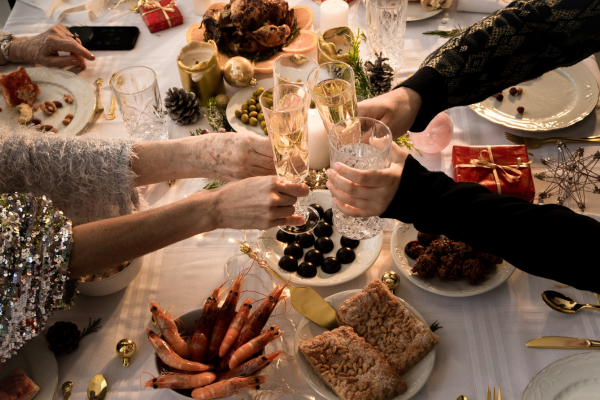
(92, 327)
(213, 184)
(406, 142)
(446, 34)
(197, 132)
(435, 326)
(216, 117)
(363, 85)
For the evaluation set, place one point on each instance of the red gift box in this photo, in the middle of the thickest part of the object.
(501, 169)
(161, 15)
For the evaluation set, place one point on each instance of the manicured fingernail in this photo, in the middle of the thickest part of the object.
(336, 166)
(93, 56)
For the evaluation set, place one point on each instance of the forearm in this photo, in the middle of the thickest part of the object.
(525, 234)
(106, 243)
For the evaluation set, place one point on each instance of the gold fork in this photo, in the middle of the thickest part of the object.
(111, 110)
(99, 106)
(489, 394)
(534, 143)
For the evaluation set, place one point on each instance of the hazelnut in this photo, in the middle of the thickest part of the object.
(520, 110)
(36, 121)
(68, 98)
(35, 107)
(499, 96)
(519, 90)
(70, 116)
(66, 121)
(58, 104)
(54, 130)
(512, 91)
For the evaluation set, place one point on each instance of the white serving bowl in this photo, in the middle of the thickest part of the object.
(113, 284)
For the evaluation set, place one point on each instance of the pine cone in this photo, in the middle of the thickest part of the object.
(380, 74)
(63, 337)
(183, 107)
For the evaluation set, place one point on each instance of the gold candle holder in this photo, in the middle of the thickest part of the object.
(334, 45)
(199, 70)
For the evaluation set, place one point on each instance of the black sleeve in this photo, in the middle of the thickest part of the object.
(516, 44)
(550, 241)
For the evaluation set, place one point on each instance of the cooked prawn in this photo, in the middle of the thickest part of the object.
(204, 326)
(169, 331)
(169, 357)
(236, 325)
(254, 365)
(181, 381)
(253, 346)
(228, 387)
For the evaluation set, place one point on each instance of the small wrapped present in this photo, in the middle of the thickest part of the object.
(160, 15)
(501, 169)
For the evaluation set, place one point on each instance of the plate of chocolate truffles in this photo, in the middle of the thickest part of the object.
(322, 257)
(444, 266)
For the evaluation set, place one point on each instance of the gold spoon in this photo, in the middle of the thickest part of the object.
(564, 304)
(99, 106)
(97, 388)
(111, 110)
(67, 387)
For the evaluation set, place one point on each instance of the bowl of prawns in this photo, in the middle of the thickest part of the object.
(217, 351)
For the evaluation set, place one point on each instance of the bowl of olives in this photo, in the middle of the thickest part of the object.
(244, 112)
(322, 257)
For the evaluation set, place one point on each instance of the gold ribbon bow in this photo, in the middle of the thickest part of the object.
(512, 172)
(154, 5)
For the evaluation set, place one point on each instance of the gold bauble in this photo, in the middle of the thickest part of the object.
(391, 280)
(126, 349)
(239, 72)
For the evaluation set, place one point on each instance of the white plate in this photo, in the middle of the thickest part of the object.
(39, 364)
(54, 84)
(573, 377)
(404, 233)
(366, 253)
(557, 99)
(416, 12)
(415, 378)
(113, 284)
(241, 97)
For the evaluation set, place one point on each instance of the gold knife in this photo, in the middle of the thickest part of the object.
(561, 342)
(489, 394)
(308, 302)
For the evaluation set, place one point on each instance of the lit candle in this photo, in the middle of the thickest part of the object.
(200, 6)
(318, 141)
(334, 14)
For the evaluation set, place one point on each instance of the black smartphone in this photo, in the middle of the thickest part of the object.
(107, 37)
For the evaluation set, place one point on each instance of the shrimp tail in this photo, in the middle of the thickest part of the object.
(228, 387)
(234, 328)
(254, 346)
(254, 365)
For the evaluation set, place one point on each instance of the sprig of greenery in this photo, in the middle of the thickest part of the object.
(197, 132)
(363, 84)
(213, 184)
(92, 327)
(407, 142)
(445, 34)
(216, 117)
(435, 326)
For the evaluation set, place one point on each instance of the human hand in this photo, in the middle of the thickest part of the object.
(397, 109)
(364, 194)
(43, 49)
(233, 156)
(258, 203)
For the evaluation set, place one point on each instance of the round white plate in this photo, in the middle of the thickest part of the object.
(573, 377)
(415, 378)
(241, 97)
(366, 253)
(54, 84)
(39, 364)
(404, 233)
(416, 12)
(557, 99)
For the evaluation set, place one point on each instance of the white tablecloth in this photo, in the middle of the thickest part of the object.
(483, 337)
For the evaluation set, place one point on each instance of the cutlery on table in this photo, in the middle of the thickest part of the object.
(564, 304)
(97, 388)
(489, 394)
(304, 299)
(561, 342)
(461, 397)
(67, 387)
(534, 143)
(99, 106)
(111, 110)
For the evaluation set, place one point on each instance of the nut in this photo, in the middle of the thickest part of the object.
(44, 109)
(45, 128)
(36, 121)
(58, 104)
(35, 107)
(66, 121)
(513, 91)
(499, 96)
(50, 105)
(70, 116)
(54, 130)
(519, 90)
(520, 110)
(68, 98)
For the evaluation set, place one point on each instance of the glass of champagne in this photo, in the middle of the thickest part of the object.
(364, 144)
(285, 108)
(332, 87)
(292, 68)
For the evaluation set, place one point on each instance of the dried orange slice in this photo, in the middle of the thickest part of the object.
(304, 16)
(303, 44)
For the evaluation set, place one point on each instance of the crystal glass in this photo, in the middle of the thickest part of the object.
(364, 144)
(386, 27)
(137, 94)
(285, 108)
(332, 88)
(292, 68)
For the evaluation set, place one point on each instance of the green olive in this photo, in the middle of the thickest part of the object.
(263, 124)
(238, 113)
(258, 107)
(269, 103)
(244, 111)
(312, 104)
(261, 117)
(253, 121)
(298, 80)
(265, 131)
(253, 114)
(245, 119)
(269, 95)
(255, 98)
(244, 106)
(251, 102)
(252, 108)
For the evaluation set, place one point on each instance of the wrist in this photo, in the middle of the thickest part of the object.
(16, 50)
(205, 211)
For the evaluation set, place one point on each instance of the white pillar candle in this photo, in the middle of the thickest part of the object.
(318, 141)
(200, 6)
(334, 13)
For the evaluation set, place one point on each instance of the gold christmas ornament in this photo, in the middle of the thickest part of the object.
(391, 280)
(239, 72)
(125, 350)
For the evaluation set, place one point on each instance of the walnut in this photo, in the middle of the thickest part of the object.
(68, 98)
(26, 113)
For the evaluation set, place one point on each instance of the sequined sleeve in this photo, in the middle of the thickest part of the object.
(513, 45)
(37, 240)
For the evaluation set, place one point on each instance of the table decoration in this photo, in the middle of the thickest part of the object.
(160, 15)
(316, 179)
(126, 348)
(386, 27)
(97, 388)
(199, 70)
(66, 389)
(239, 72)
(182, 107)
(334, 14)
(391, 279)
(63, 337)
(334, 45)
(570, 176)
(445, 34)
(502, 169)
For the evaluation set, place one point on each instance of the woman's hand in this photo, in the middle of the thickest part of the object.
(43, 49)
(365, 194)
(397, 109)
(257, 203)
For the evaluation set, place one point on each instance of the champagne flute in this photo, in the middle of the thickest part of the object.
(332, 88)
(292, 68)
(285, 108)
